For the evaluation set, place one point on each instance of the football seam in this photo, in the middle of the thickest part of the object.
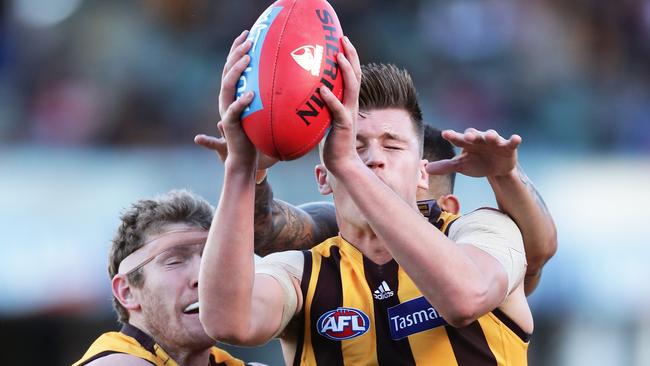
(275, 67)
(309, 146)
(323, 129)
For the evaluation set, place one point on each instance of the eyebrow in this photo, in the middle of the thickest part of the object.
(181, 249)
(385, 136)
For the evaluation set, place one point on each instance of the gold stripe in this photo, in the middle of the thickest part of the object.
(429, 345)
(116, 341)
(121, 343)
(355, 295)
(507, 347)
(308, 356)
(163, 356)
(447, 219)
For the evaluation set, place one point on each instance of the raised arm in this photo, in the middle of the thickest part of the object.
(236, 305)
(517, 196)
(487, 154)
(462, 282)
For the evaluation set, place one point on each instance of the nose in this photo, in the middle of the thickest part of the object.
(194, 269)
(373, 157)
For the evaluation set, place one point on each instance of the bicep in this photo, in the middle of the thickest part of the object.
(273, 302)
(493, 274)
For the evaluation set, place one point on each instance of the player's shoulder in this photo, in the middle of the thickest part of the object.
(486, 215)
(292, 261)
(323, 215)
(287, 256)
(119, 359)
(318, 207)
(485, 220)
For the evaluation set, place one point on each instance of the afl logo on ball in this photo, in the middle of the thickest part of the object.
(309, 58)
(343, 323)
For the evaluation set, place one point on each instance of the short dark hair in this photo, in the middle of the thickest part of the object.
(148, 217)
(387, 86)
(437, 148)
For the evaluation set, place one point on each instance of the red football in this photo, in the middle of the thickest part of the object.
(295, 43)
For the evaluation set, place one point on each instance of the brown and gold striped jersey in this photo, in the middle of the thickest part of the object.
(132, 341)
(356, 312)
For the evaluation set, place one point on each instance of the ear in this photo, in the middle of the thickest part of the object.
(122, 292)
(423, 176)
(322, 179)
(449, 203)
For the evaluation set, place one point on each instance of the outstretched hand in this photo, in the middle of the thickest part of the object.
(220, 146)
(340, 144)
(484, 154)
(234, 145)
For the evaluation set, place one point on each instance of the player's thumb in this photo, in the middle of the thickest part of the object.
(440, 167)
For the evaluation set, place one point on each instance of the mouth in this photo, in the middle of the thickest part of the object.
(192, 308)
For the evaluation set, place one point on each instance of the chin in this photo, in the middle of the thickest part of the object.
(197, 334)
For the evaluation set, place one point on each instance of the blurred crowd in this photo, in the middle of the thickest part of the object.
(572, 75)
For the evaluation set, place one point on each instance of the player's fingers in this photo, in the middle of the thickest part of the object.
(340, 116)
(235, 110)
(353, 57)
(472, 135)
(209, 142)
(229, 83)
(455, 138)
(513, 142)
(350, 82)
(239, 40)
(220, 128)
(236, 43)
(235, 56)
(493, 138)
(441, 167)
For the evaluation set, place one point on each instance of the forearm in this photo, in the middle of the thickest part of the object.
(432, 260)
(266, 211)
(516, 196)
(227, 268)
(281, 226)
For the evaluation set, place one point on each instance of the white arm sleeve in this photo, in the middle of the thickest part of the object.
(495, 233)
(282, 267)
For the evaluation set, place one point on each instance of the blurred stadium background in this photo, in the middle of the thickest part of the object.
(100, 100)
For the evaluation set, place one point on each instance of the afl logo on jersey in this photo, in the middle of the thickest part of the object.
(343, 323)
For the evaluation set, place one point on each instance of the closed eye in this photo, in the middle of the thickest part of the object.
(173, 262)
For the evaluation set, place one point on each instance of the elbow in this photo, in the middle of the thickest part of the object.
(538, 259)
(467, 308)
(462, 316)
(222, 331)
(460, 321)
(551, 244)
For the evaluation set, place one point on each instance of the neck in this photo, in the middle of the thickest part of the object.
(366, 241)
(190, 358)
(182, 356)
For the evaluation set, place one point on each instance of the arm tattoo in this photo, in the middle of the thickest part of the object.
(280, 226)
(531, 188)
(323, 215)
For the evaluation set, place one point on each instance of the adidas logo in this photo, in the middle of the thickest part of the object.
(383, 292)
(309, 58)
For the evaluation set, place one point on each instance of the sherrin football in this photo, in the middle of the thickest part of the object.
(293, 54)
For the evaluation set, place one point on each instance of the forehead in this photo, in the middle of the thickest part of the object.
(170, 237)
(385, 123)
